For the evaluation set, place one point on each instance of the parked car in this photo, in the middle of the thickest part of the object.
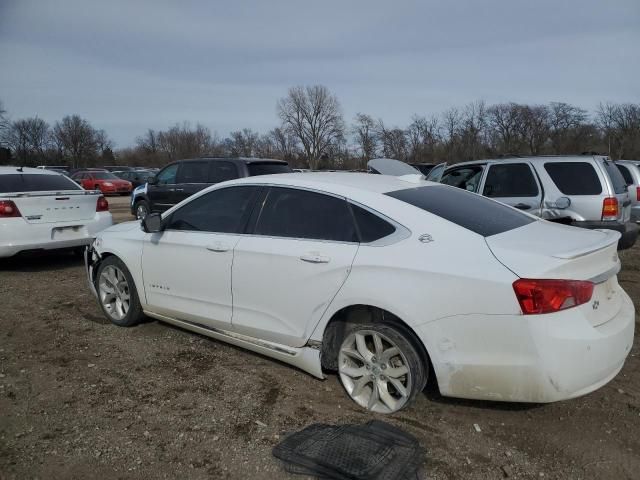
(383, 279)
(104, 181)
(183, 178)
(631, 172)
(44, 210)
(118, 168)
(584, 191)
(136, 177)
(424, 168)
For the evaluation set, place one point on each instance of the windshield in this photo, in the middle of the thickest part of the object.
(35, 183)
(469, 210)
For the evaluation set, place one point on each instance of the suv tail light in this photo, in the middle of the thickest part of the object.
(610, 208)
(102, 205)
(638, 194)
(8, 209)
(548, 296)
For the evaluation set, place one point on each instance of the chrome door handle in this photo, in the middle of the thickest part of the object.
(522, 206)
(314, 258)
(178, 190)
(217, 247)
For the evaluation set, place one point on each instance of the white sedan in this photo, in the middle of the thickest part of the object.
(44, 210)
(381, 279)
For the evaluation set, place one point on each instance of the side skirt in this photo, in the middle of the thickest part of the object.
(305, 358)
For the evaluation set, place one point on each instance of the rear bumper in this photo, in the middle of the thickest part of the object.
(629, 230)
(19, 236)
(91, 259)
(635, 213)
(538, 358)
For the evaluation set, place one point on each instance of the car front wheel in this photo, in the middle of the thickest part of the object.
(380, 368)
(117, 293)
(142, 209)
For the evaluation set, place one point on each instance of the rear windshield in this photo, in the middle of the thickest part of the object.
(35, 183)
(619, 185)
(574, 178)
(267, 168)
(473, 212)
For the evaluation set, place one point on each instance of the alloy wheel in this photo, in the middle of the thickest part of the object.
(115, 295)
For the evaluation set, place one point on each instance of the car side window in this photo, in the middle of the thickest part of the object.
(371, 227)
(510, 180)
(192, 172)
(467, 178)
(625, 173)
(168, 175)
(222, 171)
(574, 178)
(220, 211)
(295, 213)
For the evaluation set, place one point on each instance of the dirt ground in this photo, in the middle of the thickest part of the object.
(81, 398)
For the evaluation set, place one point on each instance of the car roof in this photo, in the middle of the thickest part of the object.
(245, 160)
(37, 171)
(338, 182)
(532, 158)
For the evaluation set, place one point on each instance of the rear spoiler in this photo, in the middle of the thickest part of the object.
(49, 194)
(610, 238)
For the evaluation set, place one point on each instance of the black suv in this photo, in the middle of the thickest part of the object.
(183, 178)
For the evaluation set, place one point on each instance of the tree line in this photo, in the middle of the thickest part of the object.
(312, 133)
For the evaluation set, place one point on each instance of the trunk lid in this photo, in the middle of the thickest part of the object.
(545, 250)
(51, 207)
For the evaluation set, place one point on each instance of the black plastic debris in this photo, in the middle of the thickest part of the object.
(374, 451)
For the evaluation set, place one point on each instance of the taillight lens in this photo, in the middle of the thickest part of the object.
(638, 193)
(8, 209)
(102, 205)
(610, 208)
(547, 296)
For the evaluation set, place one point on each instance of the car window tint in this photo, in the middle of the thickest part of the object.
(222, 171)
(510, 180)
(625, 173)
(469, 210)
(371, 227)
(574, 178)
(193, 172)
(168, 175)
(267, 168)
(294, 213)
(223, 211)
(619, 185)
(467, 178)
(35, 183)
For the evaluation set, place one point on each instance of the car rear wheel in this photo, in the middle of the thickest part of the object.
(117, 293)
(142, 209)
(380, 368)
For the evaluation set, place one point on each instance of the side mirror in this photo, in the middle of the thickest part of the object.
(152, 180)
(563, 202)
(152, 223)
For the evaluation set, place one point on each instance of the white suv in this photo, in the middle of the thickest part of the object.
(45, 210)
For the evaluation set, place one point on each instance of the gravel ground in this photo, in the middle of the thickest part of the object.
(80, 398)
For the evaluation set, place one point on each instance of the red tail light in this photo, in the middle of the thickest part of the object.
(8, 209)
(102, 205)
(547, 296)
(638, 193)
(610, 208)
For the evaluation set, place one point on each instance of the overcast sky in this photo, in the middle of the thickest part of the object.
(131, 65)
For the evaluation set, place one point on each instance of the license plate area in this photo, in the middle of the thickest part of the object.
(68, 233)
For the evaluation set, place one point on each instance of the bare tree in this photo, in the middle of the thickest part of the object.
(364, 132)
(181, 141)
(566, 130)
(76, 139)
(4, 121)
(505, 122)
(534, 127)
(243, 143)
(393, 141)
(620, 124)
(313, 115)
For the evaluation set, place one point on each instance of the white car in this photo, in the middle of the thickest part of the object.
(383, 279)
(45, 210)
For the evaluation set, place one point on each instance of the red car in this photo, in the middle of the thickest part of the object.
(104, 181)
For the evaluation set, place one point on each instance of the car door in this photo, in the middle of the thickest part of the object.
(187, 266)
(514, 183)
(192, 177)
(296, 259)
(160, 193)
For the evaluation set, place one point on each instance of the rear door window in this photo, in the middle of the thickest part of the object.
(267, 168)
(168, 175)
(574, 178)
(471, 211)
(510, 180)
(35, 183)
(294, 213)
(619, 185)
(371, 227)
(193, 172)
(222, 171)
